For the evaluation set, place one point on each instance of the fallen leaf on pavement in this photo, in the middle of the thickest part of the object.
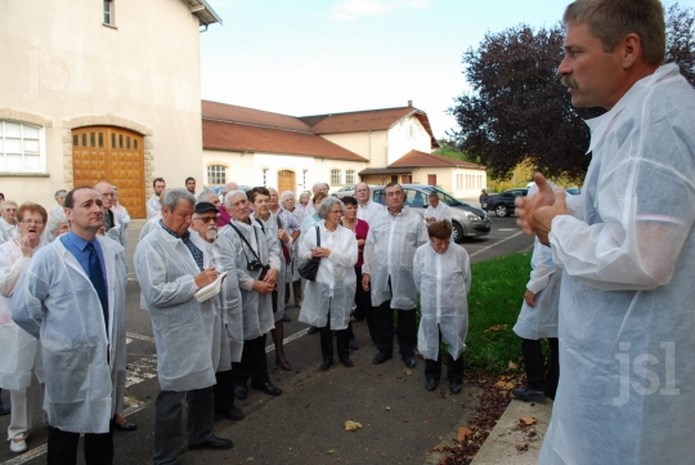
(352, 425)
(463, 433)
(527, 421)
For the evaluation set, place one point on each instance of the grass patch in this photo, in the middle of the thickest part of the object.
(494, 302)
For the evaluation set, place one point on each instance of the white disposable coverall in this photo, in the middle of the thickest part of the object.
(388, 252)
(540, 321)
(334, 288)
(627, 306)
(257, 309)
(182, 327)
(443, 281)
(56, 301)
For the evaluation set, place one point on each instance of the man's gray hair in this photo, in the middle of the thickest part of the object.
(327, 204)
(206, 195)
(230, 195)
(172, 196)
(286, 195)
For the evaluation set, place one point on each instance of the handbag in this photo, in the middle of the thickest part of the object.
(310, 267)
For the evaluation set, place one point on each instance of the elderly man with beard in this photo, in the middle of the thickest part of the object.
(256, 256)
(171, 268)
(227, 331)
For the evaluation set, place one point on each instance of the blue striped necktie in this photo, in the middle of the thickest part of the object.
(96, 276)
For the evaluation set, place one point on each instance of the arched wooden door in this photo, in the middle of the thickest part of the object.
(115, 155)
(286, 181)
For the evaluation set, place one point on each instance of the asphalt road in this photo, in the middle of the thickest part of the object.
(401, 421)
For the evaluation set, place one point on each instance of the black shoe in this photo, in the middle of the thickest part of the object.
(214, 443)
(4, 410)
(232, 413)
(455, 386)
(346, 361)
(312, 330)
(269, 388)
(326, 364)
(527, 394)
(431, 384)
(240, 391)
(409, 360)
(381, 357)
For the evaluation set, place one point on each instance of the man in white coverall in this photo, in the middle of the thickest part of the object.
(78, 313)
(170, 269)
(626, 246)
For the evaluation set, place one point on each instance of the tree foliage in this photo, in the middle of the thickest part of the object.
(518, 110)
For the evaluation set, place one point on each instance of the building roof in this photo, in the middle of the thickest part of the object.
(240, 129)
(416, 159)
(206, 15)
(367, 120)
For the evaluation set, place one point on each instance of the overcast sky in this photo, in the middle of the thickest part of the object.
(307, 57)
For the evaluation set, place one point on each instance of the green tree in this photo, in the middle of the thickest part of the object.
(518, 110)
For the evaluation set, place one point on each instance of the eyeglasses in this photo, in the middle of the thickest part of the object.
(37, 223)
(208, 219)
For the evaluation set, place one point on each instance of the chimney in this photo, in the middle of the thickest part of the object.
(410, 103)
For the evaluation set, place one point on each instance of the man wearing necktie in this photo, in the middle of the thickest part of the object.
(170, 269)
(73, 299)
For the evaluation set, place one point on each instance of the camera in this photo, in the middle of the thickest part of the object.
(266, 268)
(254, 265)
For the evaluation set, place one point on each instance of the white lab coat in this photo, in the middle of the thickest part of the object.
(627, 390)
(370, 211)
(443, 282)
(442, 212)
(82, 362)
(182, 327)
(154, 206)
(19, 348)
(334, 288)
(271, 227)
(7, 230)
(541, 320)
(388, 252)
(257, 309)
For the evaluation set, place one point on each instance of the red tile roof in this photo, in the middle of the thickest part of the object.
(240, 129)
(367, 120)
(416, 159)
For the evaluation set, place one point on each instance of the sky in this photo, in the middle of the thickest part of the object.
(310, 57)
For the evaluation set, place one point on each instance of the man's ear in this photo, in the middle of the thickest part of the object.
(631, 49)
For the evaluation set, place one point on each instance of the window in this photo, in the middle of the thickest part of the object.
(21, 147)
(108, 13)
(350, 177)
(217, 175)
(335, 177)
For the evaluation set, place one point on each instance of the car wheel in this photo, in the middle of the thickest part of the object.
(457, 232)
(501, 211)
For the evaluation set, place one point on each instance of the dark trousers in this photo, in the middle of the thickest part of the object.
(223, 391)
(454, 368)
(407, 329)
(535, 365)
(62, 448)
(363, 305)
(342, 341)
(167, 422)
(253, 363)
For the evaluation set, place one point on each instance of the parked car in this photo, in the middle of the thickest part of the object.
(503, 203)
(467, 220)
(344, 191)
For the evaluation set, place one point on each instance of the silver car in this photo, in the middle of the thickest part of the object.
(467, 221)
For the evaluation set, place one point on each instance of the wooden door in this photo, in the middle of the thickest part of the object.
(286, 181)
(115, 155)
(431, 179)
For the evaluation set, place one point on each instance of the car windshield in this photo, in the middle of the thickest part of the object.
(444, 197)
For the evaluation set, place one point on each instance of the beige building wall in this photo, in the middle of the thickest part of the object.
(371, 145)
(63, 68)
(406, 135)
(263, 169)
